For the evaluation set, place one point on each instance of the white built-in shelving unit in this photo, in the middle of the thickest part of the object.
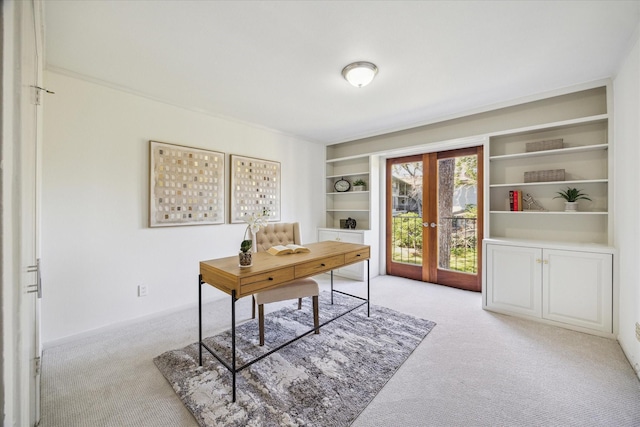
(550, 265)
(585, 159)
(348, 204)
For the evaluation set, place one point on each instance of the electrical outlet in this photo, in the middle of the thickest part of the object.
(143, 290)
(638, 331)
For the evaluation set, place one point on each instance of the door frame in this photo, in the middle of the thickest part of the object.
(20, 342)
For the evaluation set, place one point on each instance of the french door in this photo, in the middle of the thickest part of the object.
(434, 217)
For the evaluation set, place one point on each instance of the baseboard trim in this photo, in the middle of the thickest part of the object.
(158, 314)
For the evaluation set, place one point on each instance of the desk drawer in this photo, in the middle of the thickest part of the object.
(356, 256)
(317, 267)
(263, 281)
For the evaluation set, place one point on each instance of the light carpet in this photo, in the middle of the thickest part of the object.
(320, 380)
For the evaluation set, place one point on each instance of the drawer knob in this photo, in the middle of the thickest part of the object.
(323, 265)
(358, 255)
(270, 278)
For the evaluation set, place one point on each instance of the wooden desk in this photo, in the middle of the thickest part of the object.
(268, 272)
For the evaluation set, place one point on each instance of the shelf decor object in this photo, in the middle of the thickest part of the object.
(550, 144)
(571, 197)
(342, 185)
(544, 176)
(359, 185)
(532, 203)
(255, 188)
(186, 185)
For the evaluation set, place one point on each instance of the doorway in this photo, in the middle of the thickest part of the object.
(434, 217)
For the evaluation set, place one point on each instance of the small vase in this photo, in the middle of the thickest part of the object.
(245, 259)
(571, 206)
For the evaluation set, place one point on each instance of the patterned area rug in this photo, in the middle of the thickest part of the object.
(320, 380)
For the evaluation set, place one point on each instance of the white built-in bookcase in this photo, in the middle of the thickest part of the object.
(585, 157)
(348, 204)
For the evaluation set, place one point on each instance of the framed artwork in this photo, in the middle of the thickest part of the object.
(255, 188)
(186, 185)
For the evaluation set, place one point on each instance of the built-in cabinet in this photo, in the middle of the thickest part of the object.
(566, 287)
(348, 204)
(543, 262)
(355, 204)
(584, 158)
(354, 271)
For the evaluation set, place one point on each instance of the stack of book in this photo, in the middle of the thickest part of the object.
(515, 200)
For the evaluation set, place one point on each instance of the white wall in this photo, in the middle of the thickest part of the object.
(96, 245)
(626, 203)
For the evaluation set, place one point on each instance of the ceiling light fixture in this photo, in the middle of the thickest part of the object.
(360, 74)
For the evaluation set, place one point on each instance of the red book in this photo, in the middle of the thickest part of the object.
(516, 206)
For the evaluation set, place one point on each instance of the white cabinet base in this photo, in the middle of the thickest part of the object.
(355, 271)
(569, 286)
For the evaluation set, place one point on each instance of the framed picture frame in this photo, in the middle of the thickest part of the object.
(186, 185)
(255, 188)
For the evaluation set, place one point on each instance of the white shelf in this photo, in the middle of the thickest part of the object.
(559, 151)
(554, 125)
(335, 193)
(345, 230)
(347, 210)
(532, 212)
(526, 184)
(347, 175)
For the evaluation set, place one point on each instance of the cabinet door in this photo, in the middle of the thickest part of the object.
(513, 277)
(577, 288)
(324, 235)
(353, 271)
(351, 237)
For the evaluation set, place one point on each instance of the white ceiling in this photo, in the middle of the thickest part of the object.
(277, 64)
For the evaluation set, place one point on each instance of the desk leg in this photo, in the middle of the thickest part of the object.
(233, 341)
(368, 292)
(200, 316)
(331, 287)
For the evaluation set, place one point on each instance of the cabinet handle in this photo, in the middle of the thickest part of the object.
(270, 278)
(538, 260)
(546, 261)
(322, 265)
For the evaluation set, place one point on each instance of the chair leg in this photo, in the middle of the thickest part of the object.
(253, 307)
(299, 303)
(316, 318)
(261, 323)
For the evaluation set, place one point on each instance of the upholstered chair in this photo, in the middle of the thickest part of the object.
(283, 234)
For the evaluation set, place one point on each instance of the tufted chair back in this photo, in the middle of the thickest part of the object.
(281, 233)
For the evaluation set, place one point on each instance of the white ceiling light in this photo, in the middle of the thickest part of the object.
(360, 74)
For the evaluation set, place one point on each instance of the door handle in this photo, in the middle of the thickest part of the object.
(38, 285)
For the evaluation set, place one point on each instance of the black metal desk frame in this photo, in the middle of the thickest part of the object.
(232, 367)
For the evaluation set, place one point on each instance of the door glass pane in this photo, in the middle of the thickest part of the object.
(406, 212)
(457, 214)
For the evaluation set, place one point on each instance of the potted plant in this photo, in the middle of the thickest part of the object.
(571, 197)
(254, 222)
(359, 185)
